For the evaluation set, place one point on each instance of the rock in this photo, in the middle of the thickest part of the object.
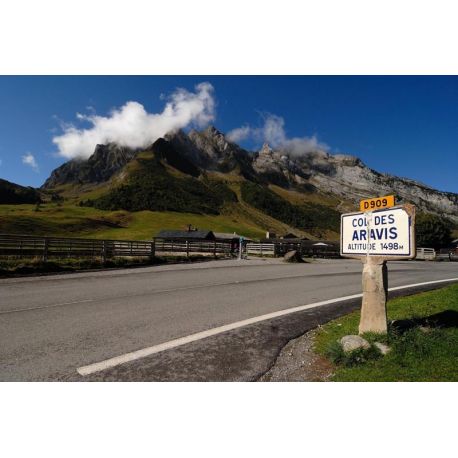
(353, 342)
(104, 163)
(292, 256)
(384, 349)
(424, 329)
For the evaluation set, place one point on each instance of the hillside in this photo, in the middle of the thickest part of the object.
(11, 193)
(203, 179)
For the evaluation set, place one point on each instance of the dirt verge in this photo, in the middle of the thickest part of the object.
(297, 362)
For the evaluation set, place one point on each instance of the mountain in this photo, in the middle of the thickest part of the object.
(348, 177)
(181, 169)
(11, 193)
(101, 166)
(202, 178)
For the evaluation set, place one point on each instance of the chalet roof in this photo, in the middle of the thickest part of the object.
(227, 235)
(290, 235)
(230, 236)
(282, 240)
(304, 242)
(174, 234)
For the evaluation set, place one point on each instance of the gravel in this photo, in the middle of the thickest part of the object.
(297, 362)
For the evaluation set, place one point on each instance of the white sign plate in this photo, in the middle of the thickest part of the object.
(385, 232)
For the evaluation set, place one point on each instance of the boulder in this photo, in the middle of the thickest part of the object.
(292, 256)
(384, 349)
(353, 342)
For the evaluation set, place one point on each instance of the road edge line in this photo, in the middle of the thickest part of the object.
(148, 351)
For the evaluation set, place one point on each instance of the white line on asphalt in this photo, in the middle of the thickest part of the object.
(169, 290)
(3, 312)
(134, 355)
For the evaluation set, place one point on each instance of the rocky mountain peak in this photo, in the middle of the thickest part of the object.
(266, 150)
(212, 131)
(99, 167)
(342, 175)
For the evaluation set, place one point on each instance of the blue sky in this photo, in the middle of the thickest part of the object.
(407, 126)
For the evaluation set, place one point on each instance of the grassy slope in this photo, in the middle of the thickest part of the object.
(415, 355)
(71, 220)
(245, 211)
(74, 221)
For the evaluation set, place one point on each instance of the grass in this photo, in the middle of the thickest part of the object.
(423, 340)
(75, 221)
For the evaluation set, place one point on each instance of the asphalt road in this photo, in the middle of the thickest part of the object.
(50, 326)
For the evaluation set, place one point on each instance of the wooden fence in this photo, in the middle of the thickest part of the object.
(25, 246)
(305, 248)
(194, 246)
(261, 249)
(426, 254)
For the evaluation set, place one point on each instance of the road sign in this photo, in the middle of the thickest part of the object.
(387, 233)
(377, 203)
(376, 237)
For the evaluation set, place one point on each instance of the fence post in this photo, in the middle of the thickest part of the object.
(45, 250)
(187, 248)
(152, 251)
(214, 249)
(104, 252)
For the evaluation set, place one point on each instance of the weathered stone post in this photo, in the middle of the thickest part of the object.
(375, 291)
(384, 234)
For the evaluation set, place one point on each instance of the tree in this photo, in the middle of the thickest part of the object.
(432, 231)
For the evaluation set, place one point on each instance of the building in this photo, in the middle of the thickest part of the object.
(182, 236)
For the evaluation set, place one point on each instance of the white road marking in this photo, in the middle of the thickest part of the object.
(3, 312)
(169, 290)
(134, 355)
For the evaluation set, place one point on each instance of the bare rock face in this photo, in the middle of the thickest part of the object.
(101, 166)
(217, 153)
(348, 177)
(355, 181)
(353, 342)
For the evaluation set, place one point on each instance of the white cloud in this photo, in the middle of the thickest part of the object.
(273, 132)
(239, 134)
(132, 126)
(29, 159)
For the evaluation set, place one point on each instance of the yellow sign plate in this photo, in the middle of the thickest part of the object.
(376, 203)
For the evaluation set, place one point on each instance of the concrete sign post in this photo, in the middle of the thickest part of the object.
(376, 237)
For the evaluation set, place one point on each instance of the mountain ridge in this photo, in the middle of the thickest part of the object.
(202, 153)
